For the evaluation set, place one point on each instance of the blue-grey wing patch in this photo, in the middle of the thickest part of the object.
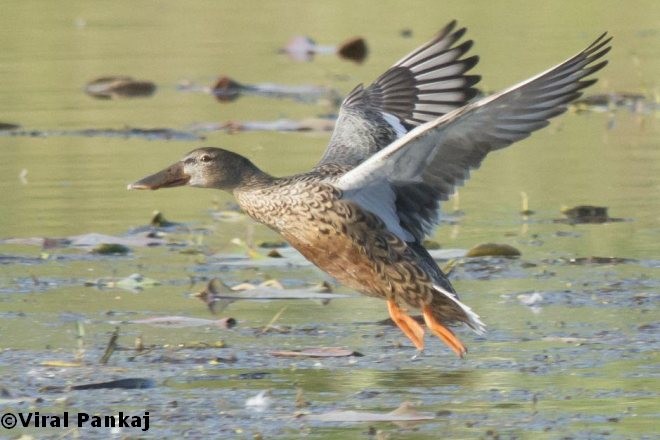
(427, 83)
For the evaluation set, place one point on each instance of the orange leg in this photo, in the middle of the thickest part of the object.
(408, 326)
(442, 332)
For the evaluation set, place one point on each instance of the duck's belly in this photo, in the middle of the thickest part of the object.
(341, 258)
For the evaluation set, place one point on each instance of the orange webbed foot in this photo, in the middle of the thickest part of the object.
(408, 326)
(442, 332)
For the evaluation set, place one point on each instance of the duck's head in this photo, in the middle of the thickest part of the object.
(205, 168)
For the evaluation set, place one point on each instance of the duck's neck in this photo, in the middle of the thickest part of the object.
(253, 178)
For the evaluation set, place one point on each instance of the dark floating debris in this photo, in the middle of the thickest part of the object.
(6, 126)
(390, 321)
(127, 132)
(586, 214)
(158, 220)
(308, 124)
(227, 89)
(605, 102)
(211, 295)
(318, 352)
(354, 49)
(493, 250)
(302, 48)
(133, 383)
(108, 87)
(597, 260)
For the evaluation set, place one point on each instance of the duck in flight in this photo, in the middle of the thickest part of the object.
(400, 146)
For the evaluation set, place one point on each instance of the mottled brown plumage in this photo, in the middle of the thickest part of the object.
(362, 213)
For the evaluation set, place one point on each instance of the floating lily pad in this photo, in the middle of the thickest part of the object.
(108, 87)
(493, 250)
(586, 214)
(111, 249)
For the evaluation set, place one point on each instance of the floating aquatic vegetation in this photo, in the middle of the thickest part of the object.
(271, 291)
(183, 322)
(217, 295)
(158, 221)
(130, 383)
(303, 48)
(133, 283)
(108, 87)
(271, 323)
(271, 244)
(493, 250)
(404, 413)
(317, 352)
(5, 126)
(111, 249)
(227, 89)
(111, 347)
(431, 244)
(228, 216)
(126, 132)
(210, 295)
(89, 240)
(607, 102)
(306, 124)
(593, 260)
(586, 214)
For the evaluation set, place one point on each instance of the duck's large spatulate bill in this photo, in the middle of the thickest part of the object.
(169, 177)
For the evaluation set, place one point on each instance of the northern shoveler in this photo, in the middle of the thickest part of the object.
(400, 146)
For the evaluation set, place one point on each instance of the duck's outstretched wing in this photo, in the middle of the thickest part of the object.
(404, 182)
(422, 86)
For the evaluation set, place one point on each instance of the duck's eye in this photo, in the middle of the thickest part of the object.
(205, 158)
